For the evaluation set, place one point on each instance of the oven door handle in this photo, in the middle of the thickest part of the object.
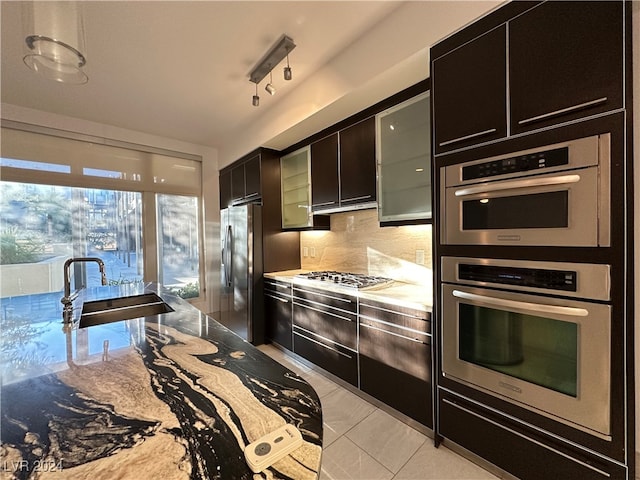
(509, 185)
(534, 307)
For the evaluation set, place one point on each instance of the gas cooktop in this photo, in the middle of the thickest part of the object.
(352, 280)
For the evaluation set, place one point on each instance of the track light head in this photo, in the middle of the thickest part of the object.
(287, 73)
(271, 90)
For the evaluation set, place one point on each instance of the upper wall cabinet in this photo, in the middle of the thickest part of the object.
(343, 169)
(358, 163)
(570, 68)
(469, 86)
(241, 182)
(404, 161)
(296, 189)
(564, 62)
(325, 182)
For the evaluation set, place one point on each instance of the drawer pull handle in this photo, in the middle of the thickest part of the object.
(277, 298)
(393, 325)
(562, 111)
(322, 311)
(468, 137)
(323, 345)
(415, 340)
(346, 300)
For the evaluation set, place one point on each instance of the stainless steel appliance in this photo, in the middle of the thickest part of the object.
(241, 272)
(352, 280)
(556, 195)
(549, 353)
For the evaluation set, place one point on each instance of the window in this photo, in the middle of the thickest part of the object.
(178, 253)
(41, 226)
(65, 195)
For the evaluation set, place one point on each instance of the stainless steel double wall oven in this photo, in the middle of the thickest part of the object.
(532, 310)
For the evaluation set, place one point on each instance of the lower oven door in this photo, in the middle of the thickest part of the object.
(547, 354)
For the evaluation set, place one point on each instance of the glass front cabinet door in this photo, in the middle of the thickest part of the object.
(296, 189)
(403, 136)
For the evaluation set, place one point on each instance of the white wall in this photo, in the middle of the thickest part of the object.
(390, 57)
(211, 202)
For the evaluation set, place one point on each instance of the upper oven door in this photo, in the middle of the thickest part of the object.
(550, 355)
(553, 196)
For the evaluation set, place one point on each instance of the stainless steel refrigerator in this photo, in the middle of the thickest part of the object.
(241, 302)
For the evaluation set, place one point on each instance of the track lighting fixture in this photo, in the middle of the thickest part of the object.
(287, 70)
(256, 98)
(271, 59)
(270, 88)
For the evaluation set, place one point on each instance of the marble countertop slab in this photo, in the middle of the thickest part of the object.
(398, 293)
(169, 396)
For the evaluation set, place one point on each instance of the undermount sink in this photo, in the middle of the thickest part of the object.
(110, 310)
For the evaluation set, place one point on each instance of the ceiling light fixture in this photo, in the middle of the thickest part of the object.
(270, 88)
(272, 58)
(256, 98)
(287, 70)
(55, 40)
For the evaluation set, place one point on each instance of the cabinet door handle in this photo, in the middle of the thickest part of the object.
(468, 137)
(252, 195)
(323, 204)
(354, 199)
(562, 111)
(510, 185)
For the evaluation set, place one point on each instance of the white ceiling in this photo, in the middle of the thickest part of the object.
(180, 69)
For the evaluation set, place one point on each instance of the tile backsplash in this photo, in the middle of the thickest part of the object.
(357, 244)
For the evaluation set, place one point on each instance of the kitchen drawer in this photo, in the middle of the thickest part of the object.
(277, 287)
(326, 354)
(278, 312)
(396, 315)
(485, 433)
(325, 299)
(336, 325)
(397, 388)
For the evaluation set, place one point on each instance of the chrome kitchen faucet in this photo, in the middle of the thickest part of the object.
(68, 298)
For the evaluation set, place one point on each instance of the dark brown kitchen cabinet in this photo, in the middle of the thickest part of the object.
(548, 63)
(358, 163)
(325, 190)
(252, 178)
(225, 189)
(237, 183)
(565, 62)
(278, 312)
(395, 358)
(325, 330)
(255, 178)
(469, 92)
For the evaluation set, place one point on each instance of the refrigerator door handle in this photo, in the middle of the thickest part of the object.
(227, 256)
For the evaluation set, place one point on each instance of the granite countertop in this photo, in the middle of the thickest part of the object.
(398, 293)
(169, 396)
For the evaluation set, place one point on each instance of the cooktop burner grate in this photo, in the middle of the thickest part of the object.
(352, 280)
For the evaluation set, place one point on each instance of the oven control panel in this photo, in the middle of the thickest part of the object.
(526, 277)
(519, 163)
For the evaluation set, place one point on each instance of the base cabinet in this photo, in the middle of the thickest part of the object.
(395, 358)
(531, 455)
(278, 312)
(325, 331)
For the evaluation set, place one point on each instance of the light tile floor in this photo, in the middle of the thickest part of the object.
(363, 442)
